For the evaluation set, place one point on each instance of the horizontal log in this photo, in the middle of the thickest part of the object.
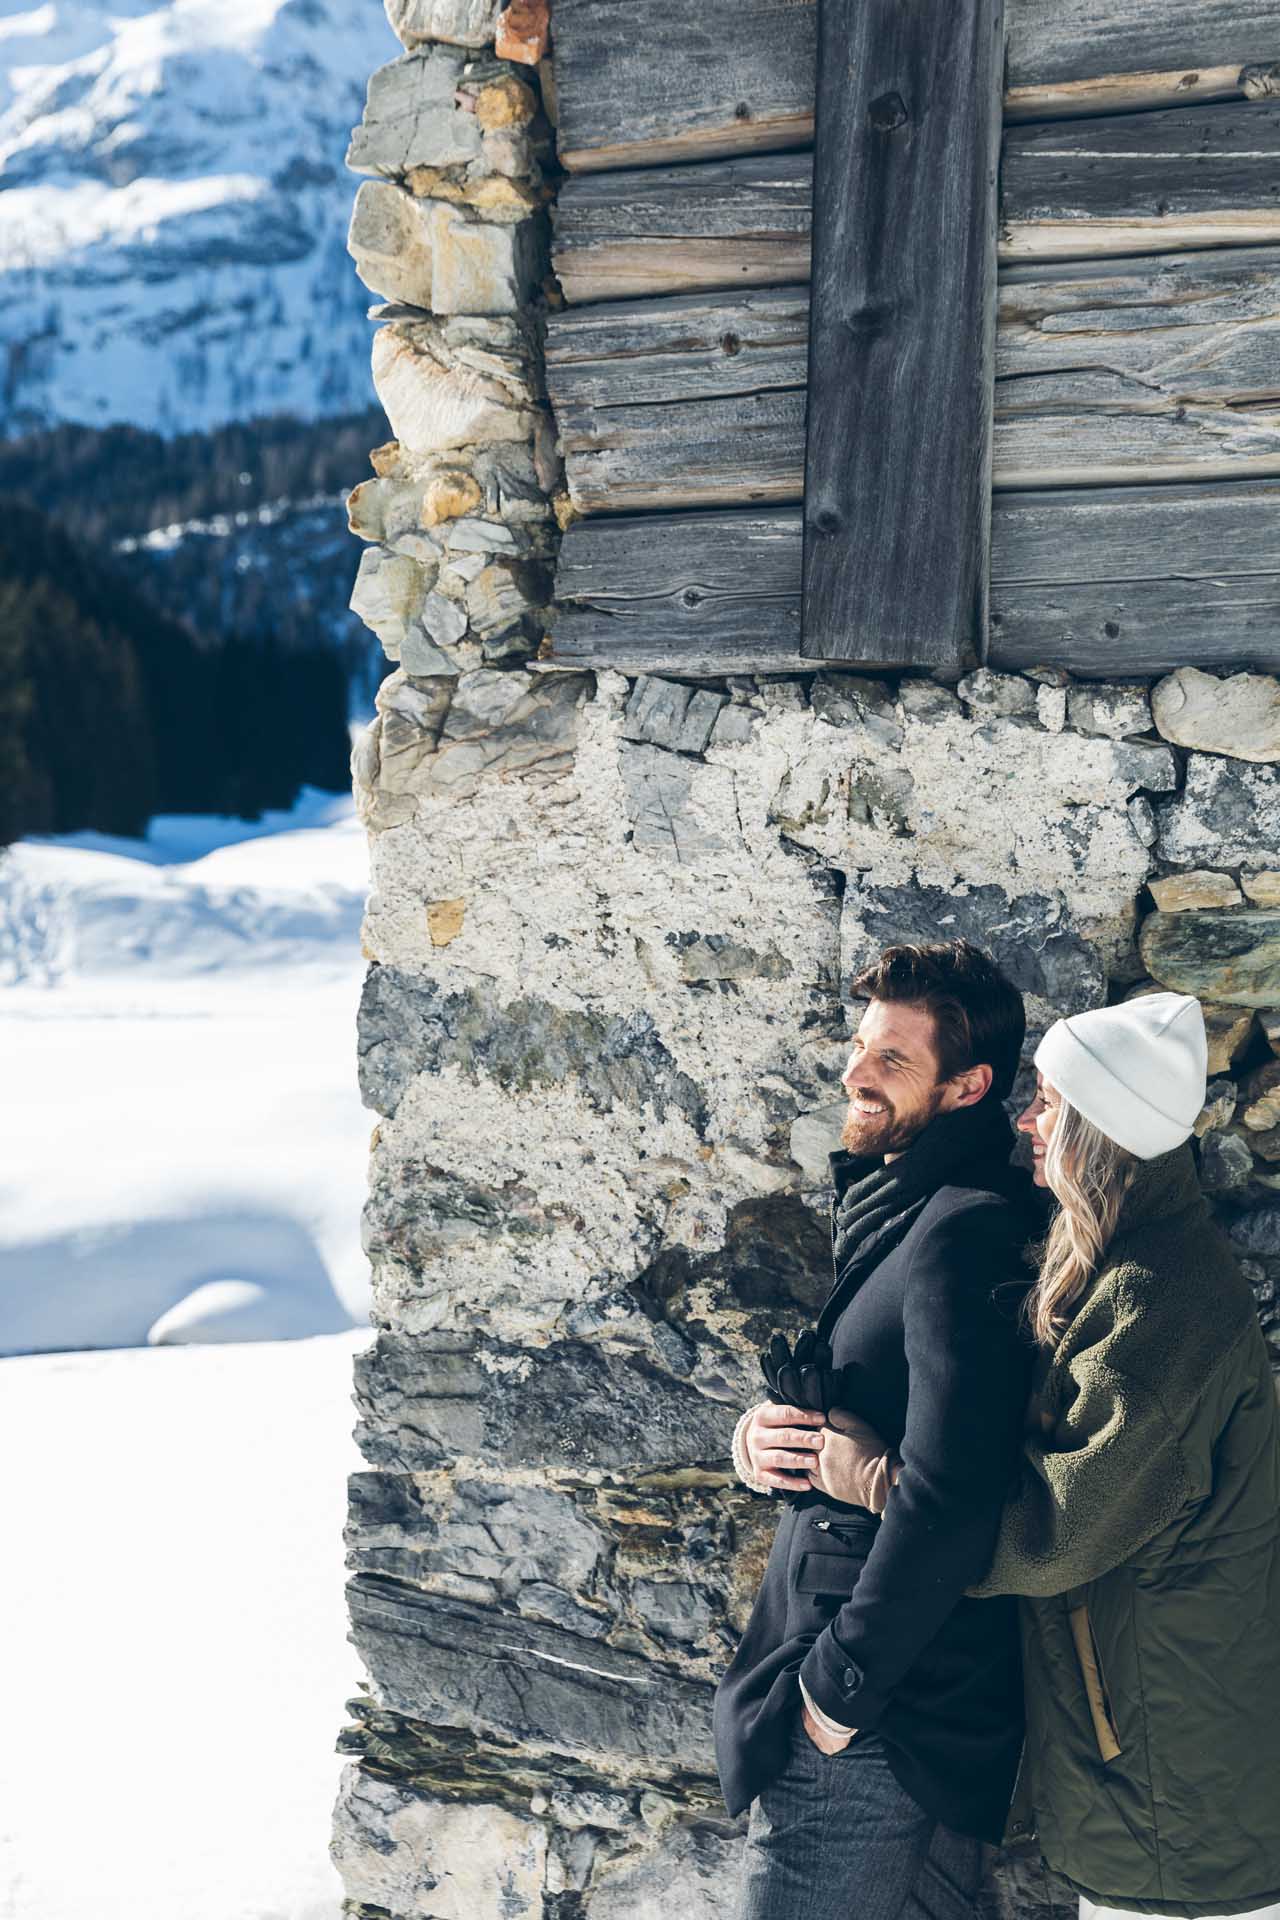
(1134, 183)
(1156, 369)
(688, 593)
(1116, 56)
(1101, 581)
(728, 77)
(726, 223)
(690, 401)
(1182, 177)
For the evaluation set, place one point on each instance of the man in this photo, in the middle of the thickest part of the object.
(873, 1713)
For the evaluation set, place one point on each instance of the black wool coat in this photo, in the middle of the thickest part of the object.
(873, 1612)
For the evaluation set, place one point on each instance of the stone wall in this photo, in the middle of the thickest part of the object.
(603, 1030)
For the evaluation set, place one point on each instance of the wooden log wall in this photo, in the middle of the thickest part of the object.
(1138, 332)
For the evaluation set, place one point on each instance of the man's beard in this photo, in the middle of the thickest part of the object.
(889, 1131)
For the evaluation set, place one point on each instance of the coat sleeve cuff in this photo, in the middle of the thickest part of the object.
(837, 1684)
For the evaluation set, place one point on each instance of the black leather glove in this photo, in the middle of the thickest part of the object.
(803, 1376)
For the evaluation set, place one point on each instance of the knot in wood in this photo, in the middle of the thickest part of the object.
(1260, 81)
(826, 520)
(690, 598)
(887, 111)
(742, 111)
(730, 343)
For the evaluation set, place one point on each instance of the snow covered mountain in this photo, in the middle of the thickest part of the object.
(174, 208)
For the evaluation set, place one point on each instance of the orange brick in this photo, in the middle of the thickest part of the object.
(523, 31)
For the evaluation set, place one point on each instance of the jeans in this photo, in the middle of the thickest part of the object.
(834, 1837)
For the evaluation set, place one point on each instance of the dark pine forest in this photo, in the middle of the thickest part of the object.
(209, 670)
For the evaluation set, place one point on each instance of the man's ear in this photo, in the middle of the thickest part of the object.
(967, 1088)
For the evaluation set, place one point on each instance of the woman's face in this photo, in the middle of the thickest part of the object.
(1039, 1120)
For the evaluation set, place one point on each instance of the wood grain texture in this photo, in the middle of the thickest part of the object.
(1137, 579)
(683, 82)
(1101, 581)
(729, 223)
(1201, 177)
(897, 488)
(1160, 368)
(698, 400)
(1103, 56)
(696, 593)
(1136, 182)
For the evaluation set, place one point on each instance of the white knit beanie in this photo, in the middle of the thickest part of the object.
(1137, 1071)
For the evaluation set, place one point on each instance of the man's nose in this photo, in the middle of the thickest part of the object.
(1026, 1121)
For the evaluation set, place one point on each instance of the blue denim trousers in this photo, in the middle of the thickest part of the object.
(834, 1837)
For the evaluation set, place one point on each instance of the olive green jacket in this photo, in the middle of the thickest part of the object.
(1145, 1532)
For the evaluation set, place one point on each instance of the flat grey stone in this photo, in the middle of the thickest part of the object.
(410, 119)
(1094, 707)
(1228, 815)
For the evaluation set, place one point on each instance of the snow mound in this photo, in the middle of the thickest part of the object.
(181, 1109)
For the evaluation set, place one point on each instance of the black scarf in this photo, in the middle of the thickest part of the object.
(875, 1209)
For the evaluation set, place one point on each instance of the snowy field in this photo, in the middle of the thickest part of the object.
(174, 1630)
(182, 1290)
(182, 1145)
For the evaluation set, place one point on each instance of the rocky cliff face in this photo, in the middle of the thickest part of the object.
(174, 207)
(610, 928)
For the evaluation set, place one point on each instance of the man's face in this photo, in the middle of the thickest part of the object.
(891, 1079)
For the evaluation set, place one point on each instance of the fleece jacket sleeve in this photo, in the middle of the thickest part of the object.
(1110, 1473)
(969, 1367)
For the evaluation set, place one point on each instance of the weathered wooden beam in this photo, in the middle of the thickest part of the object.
(1155, 369)
(1182, 177)
(1134, 183)
(694, 593)
(1101, 581)
(693, 401)
(897, 485)
(1118, 56)
(1137, 579)
(1161, 368)
(681, 82)
(727, 223)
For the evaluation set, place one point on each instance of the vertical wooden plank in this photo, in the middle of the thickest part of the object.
(898, 455)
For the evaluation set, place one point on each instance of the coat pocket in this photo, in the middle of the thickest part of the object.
(828, 1573)
(1095, 1685)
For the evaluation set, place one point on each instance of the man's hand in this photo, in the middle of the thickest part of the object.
(781, 1444)
(854, 1465)
(825, 1742)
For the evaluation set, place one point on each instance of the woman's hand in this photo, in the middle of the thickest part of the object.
(782, 1443)
(854, 1465)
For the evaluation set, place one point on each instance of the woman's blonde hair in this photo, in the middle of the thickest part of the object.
(1090, 1175)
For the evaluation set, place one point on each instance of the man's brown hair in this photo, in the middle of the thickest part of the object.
(978, 1016)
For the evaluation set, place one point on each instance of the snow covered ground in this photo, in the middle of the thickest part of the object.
(173, 1624)
(182, 1145)
(182, 1159)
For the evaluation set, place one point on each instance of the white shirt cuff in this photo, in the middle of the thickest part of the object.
(824, 1720)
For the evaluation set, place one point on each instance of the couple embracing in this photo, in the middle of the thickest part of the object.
(1031, 1484)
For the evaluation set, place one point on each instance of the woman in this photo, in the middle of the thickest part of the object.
(1144, 1530)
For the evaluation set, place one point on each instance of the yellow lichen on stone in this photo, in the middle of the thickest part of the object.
(432, 183)
(385, 459)
(565, 511)
(444, 920)
(497, 195)
(506, 103)
(449, 495)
